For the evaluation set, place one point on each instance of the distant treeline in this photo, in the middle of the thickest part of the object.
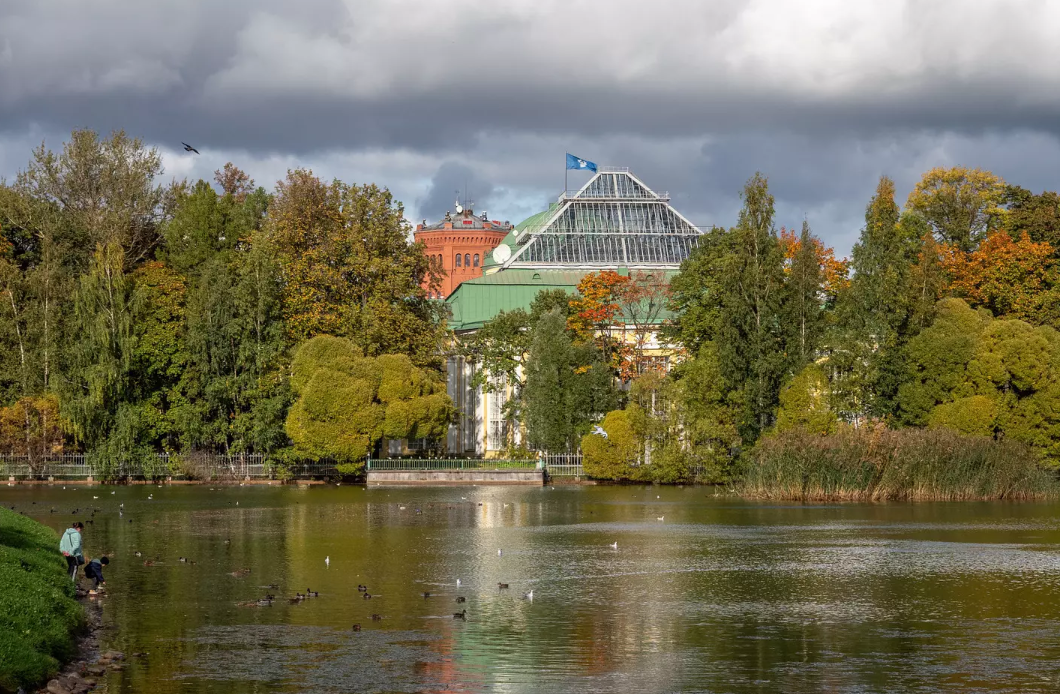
(138, 317)
(944, 317)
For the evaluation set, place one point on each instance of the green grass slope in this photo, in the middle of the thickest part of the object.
(39, 617)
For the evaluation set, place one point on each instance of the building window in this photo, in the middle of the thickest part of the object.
(476, 260)
(458, 260)
(467, 260)
(497, 434)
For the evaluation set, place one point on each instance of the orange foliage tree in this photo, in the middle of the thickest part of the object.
(1006, 276)
(593, 312)
(31, 428)
(641, 300)
(836, 273)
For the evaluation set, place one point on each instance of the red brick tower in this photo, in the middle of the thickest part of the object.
(459, 244)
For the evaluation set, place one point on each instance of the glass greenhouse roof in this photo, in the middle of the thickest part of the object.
(613, 220)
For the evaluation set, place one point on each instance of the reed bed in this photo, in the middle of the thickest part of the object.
(878, 464)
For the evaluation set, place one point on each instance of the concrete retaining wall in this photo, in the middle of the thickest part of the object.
(455, 477)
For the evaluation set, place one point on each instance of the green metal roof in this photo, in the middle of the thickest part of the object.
(536, 220)
(479, 300)
(476, 301)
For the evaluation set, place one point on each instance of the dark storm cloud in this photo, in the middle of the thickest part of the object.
(823, 96)
(452, 182)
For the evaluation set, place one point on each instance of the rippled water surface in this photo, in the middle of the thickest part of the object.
(720, 595)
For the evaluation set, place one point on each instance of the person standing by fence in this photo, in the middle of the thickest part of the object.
(70, 546)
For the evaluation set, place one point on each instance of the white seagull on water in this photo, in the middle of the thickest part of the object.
(327, 561)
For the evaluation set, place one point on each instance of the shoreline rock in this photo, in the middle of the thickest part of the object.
(86, 672)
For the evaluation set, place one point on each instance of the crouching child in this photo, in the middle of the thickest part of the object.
(94, 570)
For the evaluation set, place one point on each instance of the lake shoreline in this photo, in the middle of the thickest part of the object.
(41, 619)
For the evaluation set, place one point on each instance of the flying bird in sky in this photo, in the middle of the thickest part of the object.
(189, 148)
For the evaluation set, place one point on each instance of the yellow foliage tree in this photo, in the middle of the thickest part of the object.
(960, 204)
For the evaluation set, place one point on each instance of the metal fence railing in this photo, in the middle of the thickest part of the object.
(563, 464)
(72, 466)
(210, 466)
(449, 464)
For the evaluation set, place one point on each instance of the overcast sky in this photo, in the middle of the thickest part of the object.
(425, 96)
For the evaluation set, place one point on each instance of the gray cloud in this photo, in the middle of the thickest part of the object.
(822, 96)
(454, 181)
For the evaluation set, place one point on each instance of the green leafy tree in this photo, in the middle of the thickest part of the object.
(103, 189)
(803, 309)
(159, 356)
(709, 413)
(235, 391)
(567, 387)
(97, 381)
(347, 403)
(750, 339)
(696, 290)
(1038, 215)
(872, 311)
(500, 348)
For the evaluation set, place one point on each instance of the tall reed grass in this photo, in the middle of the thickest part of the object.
(879, 464)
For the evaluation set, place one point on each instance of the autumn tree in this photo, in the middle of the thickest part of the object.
(234, 182)
(595, 310)
(960, 204)
(641, 301)
(349, 269)
(31, 428)
(1009, 277)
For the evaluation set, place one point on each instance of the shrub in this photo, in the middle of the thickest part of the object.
(347, 402)
(38, 614)
(616, 456)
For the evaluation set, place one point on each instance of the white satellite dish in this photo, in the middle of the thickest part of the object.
(501, 253)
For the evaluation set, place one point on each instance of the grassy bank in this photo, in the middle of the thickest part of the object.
(882, 465)
(39, 617)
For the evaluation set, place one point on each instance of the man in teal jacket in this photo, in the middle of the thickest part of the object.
(70, 546)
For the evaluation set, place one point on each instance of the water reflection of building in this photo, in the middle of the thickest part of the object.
(614, 222)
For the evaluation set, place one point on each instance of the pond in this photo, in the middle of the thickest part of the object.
(704, 591)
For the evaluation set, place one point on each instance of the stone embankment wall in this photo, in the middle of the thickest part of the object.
(455, 477)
